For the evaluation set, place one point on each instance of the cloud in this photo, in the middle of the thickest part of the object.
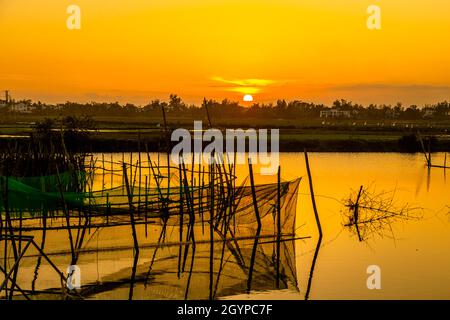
(245, 90)
(245, 82)
(402, 87)
(408, 93)
(244, 86)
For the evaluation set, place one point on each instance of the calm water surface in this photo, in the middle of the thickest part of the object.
(415, 263)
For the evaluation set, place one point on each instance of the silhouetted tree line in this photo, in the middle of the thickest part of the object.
(71, 130)
(282, 109)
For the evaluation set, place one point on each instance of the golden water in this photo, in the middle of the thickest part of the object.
(415, 264)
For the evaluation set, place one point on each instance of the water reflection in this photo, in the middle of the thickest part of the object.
(414, 266)
(116, 274)
(372, 213)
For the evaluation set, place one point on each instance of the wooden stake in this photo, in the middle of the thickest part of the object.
(278, 243)
(130, 202)
(356, 211)
(313, 200)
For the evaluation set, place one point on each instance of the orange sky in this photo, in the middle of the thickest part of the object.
(314, 50)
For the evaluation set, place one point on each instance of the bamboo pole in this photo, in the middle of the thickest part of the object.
(67, 215)
(429, 151)
(123, 176)
(146, 205)
(14, 269)
(17, 286)
(180, 250)
(130, 201)
(103, 172)
(133, 276)
(423, 149)
(356, 212)
(211, 232)
(319, 240)
(190, 232)
(313, 265)
(278, 243)
(313, 200)
(107, 208)
(140, 172)
(166, 134)
(112, 172)
(258, 220)
(8, 224)
(207, 114)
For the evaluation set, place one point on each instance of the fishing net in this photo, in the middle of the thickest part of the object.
(176, 203)
(29, 194)
(172, 214)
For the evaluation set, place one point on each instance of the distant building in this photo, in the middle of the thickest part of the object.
(21, 107)
(4, 103)
(52, 107)
(334, 113)
(429, 113)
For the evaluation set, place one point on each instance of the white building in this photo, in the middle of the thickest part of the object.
(428, 113)
(21, 107)
(334, 113)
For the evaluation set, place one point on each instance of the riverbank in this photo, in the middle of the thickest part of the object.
(119, 134)
(104, 142)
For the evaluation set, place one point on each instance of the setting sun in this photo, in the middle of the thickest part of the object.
(248, 98)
